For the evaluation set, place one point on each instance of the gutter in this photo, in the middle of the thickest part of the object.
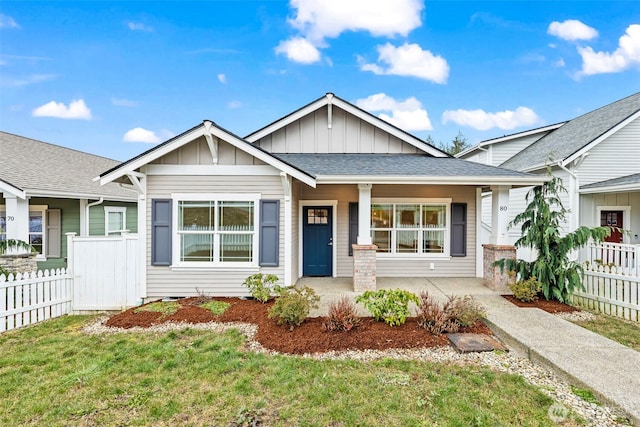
(89, 205)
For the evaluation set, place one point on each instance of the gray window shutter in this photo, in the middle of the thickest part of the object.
(54, 234)
(161, 232)
(353, 225)
(269, 236)
(458, 229)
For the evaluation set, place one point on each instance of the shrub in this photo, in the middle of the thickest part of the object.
(293, 304)
(216, 307)
(437, 318)
(526, 290)
(343, 316)
(467, 311)
(261, 285)
(391, 306)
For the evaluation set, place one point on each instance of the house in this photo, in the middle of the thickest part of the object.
(328, 190)
(47, 191)
(597, 155)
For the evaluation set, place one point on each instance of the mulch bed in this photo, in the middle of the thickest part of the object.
(542, 304)
(309, 337)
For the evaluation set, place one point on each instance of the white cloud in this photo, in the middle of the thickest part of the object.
(409, 60)
(571, 30)
(408, 114)
(122, 102)
(317, 20)
(299, 49)
(139, 26)
(481, 120)
(234, 105)
(77, 109)
(147, 136)
(625, 56)
(8, 22)
(222, 78)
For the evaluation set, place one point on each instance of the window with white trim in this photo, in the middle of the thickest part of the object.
(37, 229)
(115, 220)
(216, 231)
(3, 226)
(409, 228)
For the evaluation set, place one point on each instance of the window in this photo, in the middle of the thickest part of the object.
(216, 231)
(115, 220)
(3, 226)
(410, 228)
(36, 230)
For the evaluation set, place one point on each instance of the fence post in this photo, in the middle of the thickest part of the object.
(71, 269)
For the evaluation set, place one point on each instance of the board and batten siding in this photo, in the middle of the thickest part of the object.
(452, 267)
(616, 156)
(348, 134)
(222, 281)
(197, 152)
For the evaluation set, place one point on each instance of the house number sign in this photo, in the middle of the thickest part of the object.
(10, 218)
(503, 208)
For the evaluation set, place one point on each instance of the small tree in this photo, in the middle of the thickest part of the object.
(540, 228)
(457, 145)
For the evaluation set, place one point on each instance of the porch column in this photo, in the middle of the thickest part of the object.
(499, 246)
(142, 239)
(364, 252)
(288, 254)
(17, 211)
(364, 214)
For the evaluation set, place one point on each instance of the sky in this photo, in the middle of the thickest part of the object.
(114, 78)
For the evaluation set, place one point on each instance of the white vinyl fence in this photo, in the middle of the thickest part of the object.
(612, 280)
(30, 298)
(102, 274)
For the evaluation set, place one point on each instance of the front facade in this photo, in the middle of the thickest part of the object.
(40, 208)
(328, 190)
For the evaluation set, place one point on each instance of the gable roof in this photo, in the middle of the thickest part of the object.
(34, 168)
(577, 136)
(509, 137)
(405, 168)
(623, 183)
(205, 128)
(330, 99)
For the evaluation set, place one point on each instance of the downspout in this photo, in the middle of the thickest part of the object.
(87, 212)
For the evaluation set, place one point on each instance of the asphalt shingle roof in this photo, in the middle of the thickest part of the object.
(392, 165)
(574, 135)
(623, 180)
(42, 168)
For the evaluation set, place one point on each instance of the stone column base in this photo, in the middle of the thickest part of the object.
(493, 278)
(364, 267)
(19, 263)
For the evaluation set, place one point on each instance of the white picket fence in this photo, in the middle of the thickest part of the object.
(30, 298)
(612, 280)
(102, 274)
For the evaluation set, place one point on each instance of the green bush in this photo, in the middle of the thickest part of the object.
(390, 306)
(261, 285)
(293, 304)
(526, 290)
(343, 316)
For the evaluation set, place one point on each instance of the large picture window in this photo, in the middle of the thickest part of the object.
(216, 231)
(409, 228)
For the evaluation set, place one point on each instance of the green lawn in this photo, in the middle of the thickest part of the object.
(52, 374)
(622, 331)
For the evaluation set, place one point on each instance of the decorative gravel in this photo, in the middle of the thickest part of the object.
(511, 363)
(577, 316)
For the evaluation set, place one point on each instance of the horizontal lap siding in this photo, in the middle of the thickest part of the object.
(163, 281)
(344, 194)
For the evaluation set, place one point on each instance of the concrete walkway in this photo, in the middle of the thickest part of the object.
(583, 358)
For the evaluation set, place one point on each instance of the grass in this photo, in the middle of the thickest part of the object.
(585, 394)
(616, 329)
(167, 308)
(216, 307)
(53, 374)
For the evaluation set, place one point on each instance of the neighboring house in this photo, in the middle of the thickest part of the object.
(328, 190)
(47, 191)
(597, 155)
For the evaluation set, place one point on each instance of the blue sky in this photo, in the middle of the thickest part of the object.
(114, 78)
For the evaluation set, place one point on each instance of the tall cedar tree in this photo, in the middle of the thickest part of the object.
(541, 230)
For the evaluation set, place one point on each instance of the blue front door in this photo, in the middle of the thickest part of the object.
(317, 241)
